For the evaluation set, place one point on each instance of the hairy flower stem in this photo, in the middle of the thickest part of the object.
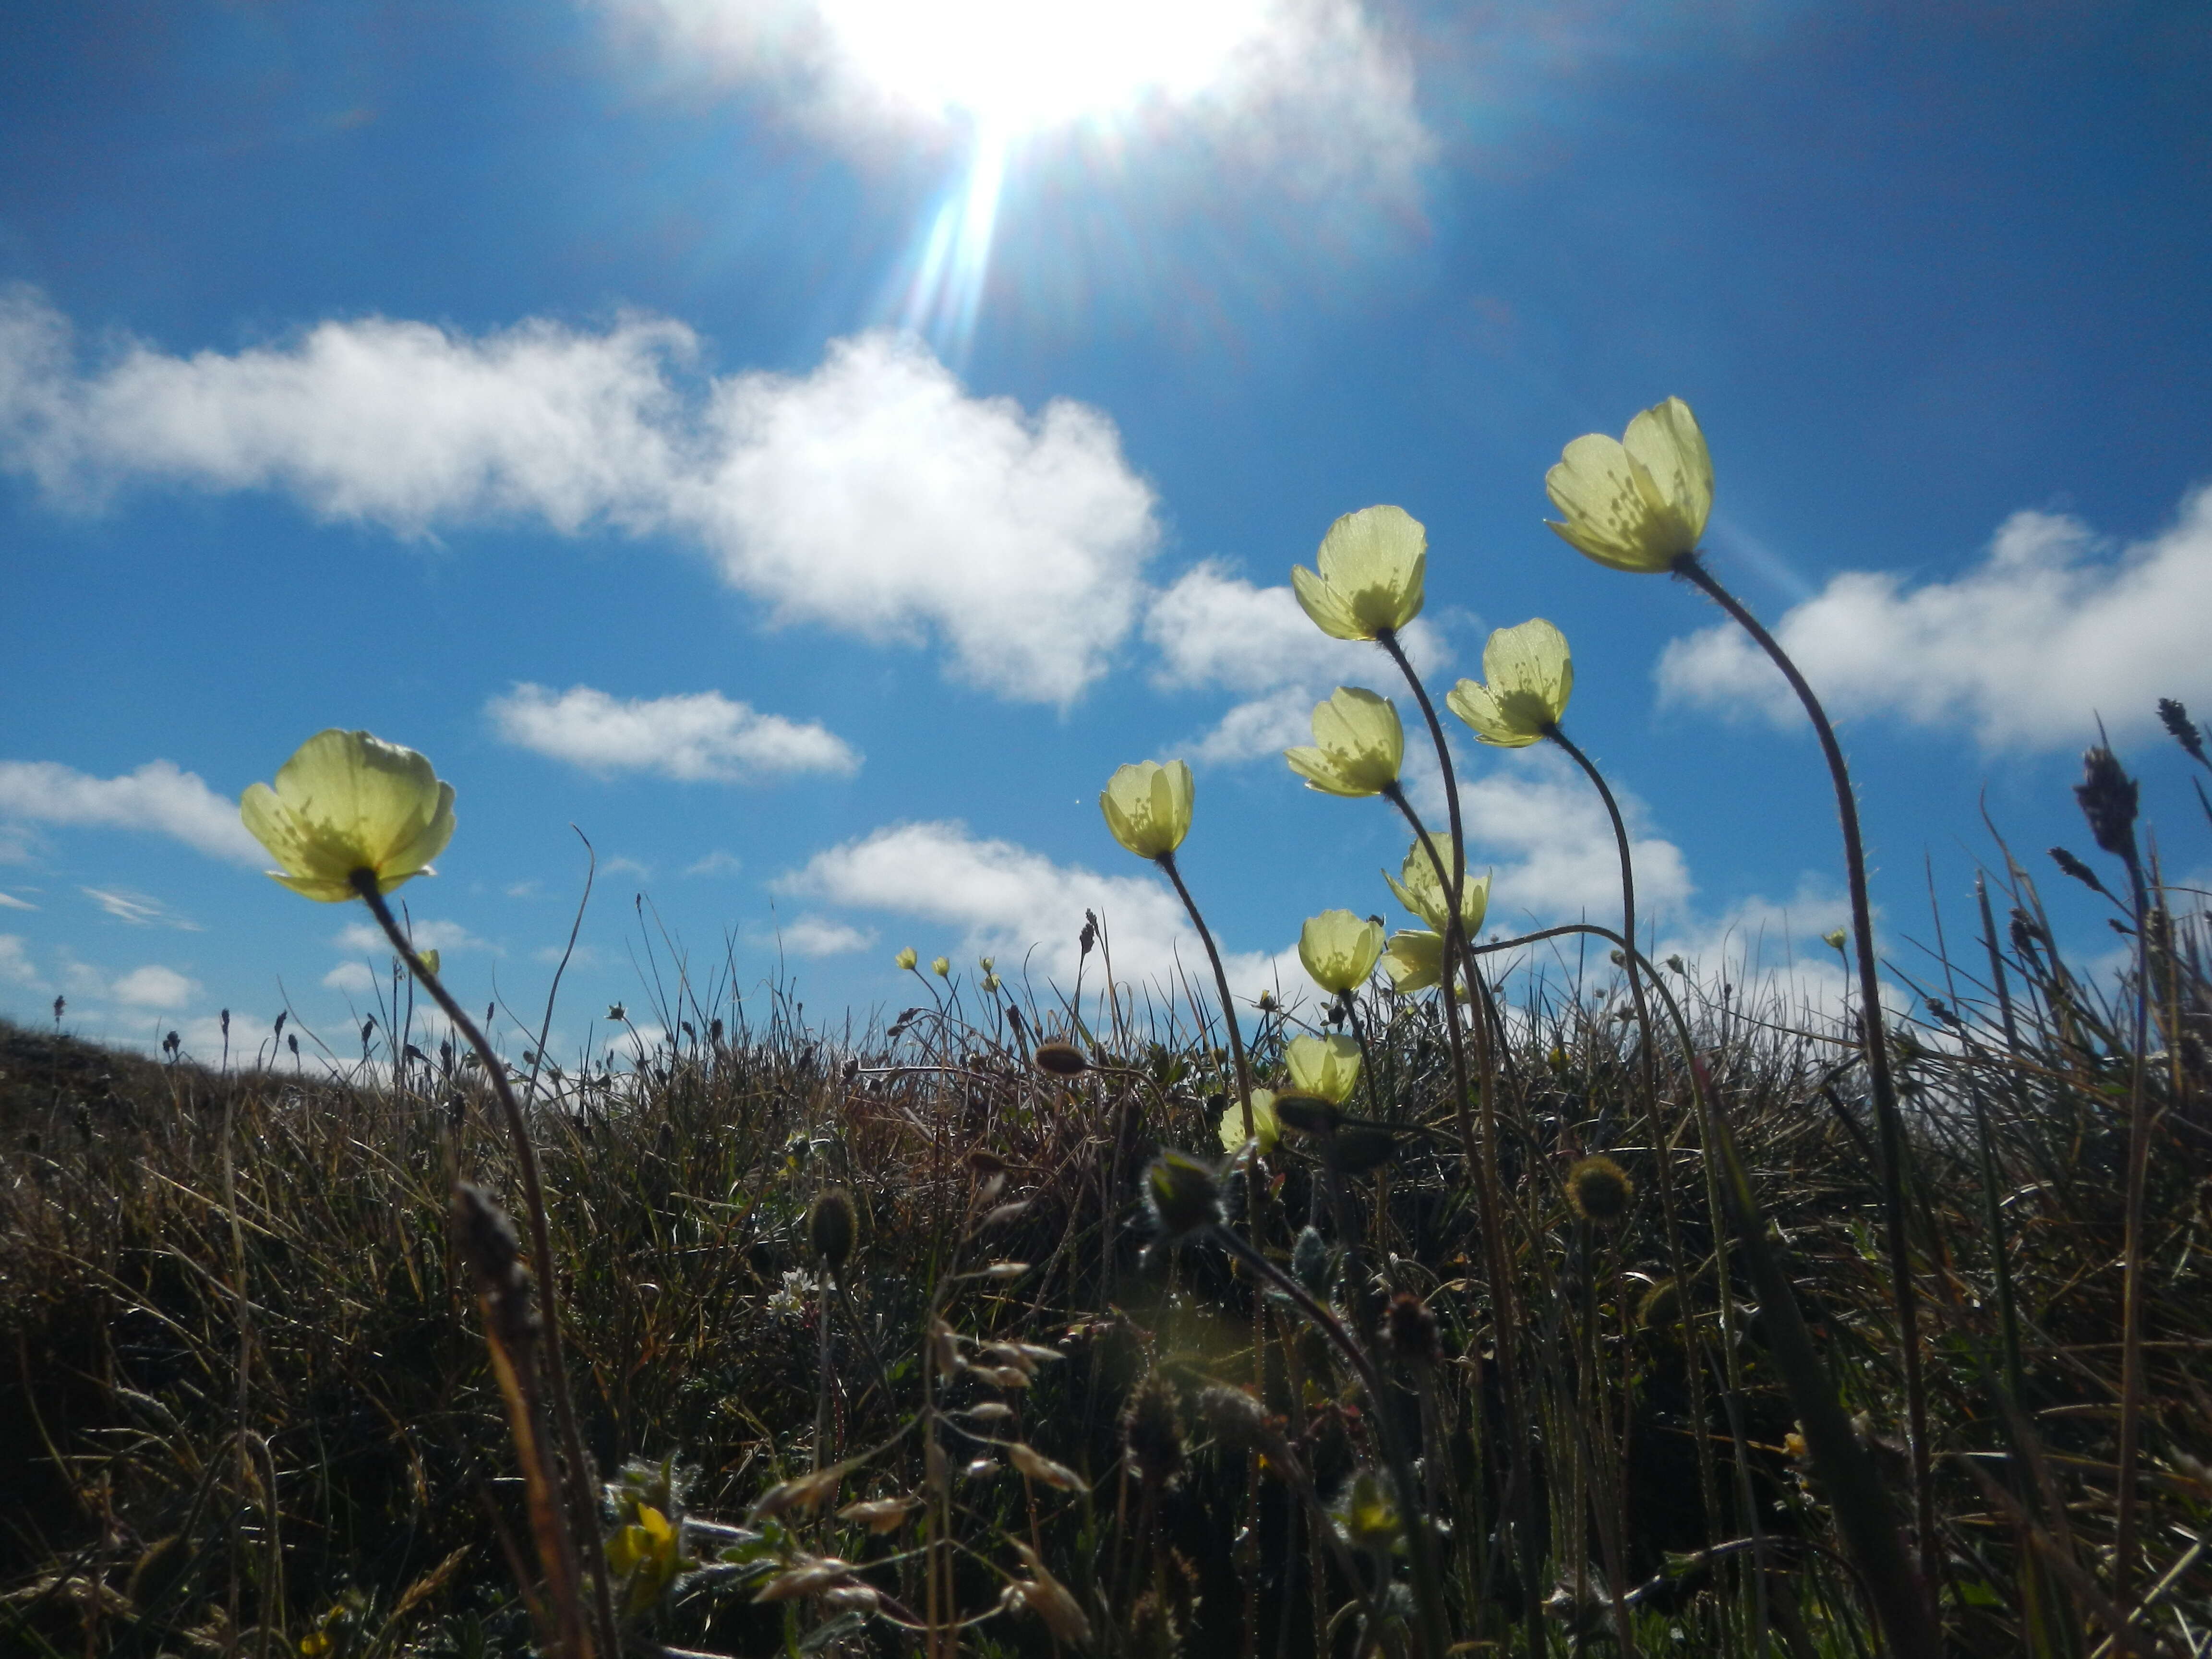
(581, 1501)
(1481, 1157)
(1708, 1486)
(2131, 1294)
(1888, 1123)
(1856, 1495)
(1256, 1188)
(1167, 863)
(1428, 1597)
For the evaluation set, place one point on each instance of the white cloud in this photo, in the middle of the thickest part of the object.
(10, 902)
(15, 967)
(138, 909)
(154, 987)
(818, 936)
(701, 736)
(353, 978)
(1311, 94)
(1532, 820)
(1216, 631)
(873, 496)
(716, 863)
(1005, 899)
(157, 797)
(366, 938)
(2050, 630)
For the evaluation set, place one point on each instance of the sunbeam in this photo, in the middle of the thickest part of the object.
(940, 292)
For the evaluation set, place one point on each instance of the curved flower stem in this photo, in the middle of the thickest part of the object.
(1888, 1124)
(1255, 1218)
(1855, 1492)
(1457, 876)
(1480, 1155)
(581, 1501)
(2131, 1252)
(1427, 1587)
(1167, 863)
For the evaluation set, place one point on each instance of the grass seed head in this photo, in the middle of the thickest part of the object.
(1599, 1190)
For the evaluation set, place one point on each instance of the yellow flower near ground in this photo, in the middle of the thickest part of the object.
(1326, 1067)
(1266, 1128)
(1419, 891)
(1358, 745)
(1528, 678)
(346, 802)
(1147, 806)
(1640, 502)
(1339, 949)
(1415, 960)
(1368, 576)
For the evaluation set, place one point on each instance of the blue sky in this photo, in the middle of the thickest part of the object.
(808, 457)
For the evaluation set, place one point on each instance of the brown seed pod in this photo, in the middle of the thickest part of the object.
(830, 1226)
(1060, 1059)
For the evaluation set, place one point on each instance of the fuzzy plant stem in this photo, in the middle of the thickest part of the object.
(1255, 1218)
(2125, 1542)
(1856, 1495)
(1428, 1603)
(1481, 1156)
(1167, 863)
(582, 1501)
(1888, 1122)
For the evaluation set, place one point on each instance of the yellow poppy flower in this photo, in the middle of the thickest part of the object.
(1640, 502)
(1358, 745)
(1339, 949)
(1325, 1066)
(1419, 891)
(1415, 960)
(1147, 806)
(346, 802)
(1266, 1128)
(1368, 575)
(1529, 676)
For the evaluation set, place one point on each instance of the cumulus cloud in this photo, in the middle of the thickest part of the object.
(157, 797)
(2051, 629)
(353, 978)
(154, 987)
(700, 736)
(873, 496)
(1005, 899)
(15, 967)
(1533, 821)
(1216, 631)
(818, 936)
(1312, 94)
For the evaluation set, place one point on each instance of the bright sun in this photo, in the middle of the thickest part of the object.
(1016, 66)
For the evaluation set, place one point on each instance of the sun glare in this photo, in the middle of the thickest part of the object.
(1017, 66)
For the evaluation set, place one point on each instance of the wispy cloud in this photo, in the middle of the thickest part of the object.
(2052, 628)
(818, 936)
(353, 978)
(10, 902)
(716, 863)
(364, 939)
(138, 909)
(159, 798)
(15, 968)
(873, 496)
(700, 736)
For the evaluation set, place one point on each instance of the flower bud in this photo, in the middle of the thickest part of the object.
(830, 1227)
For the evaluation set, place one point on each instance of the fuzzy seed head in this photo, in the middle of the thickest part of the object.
(1599, 1189)
(830, 1225)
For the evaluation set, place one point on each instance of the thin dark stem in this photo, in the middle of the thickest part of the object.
(1888, 1122)
(2131, 1336)
(1167, 863)
(580, 1499)
(1427, 1589)
(1481, 1160)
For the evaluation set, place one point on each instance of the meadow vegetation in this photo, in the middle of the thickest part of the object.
(1514, 1294)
